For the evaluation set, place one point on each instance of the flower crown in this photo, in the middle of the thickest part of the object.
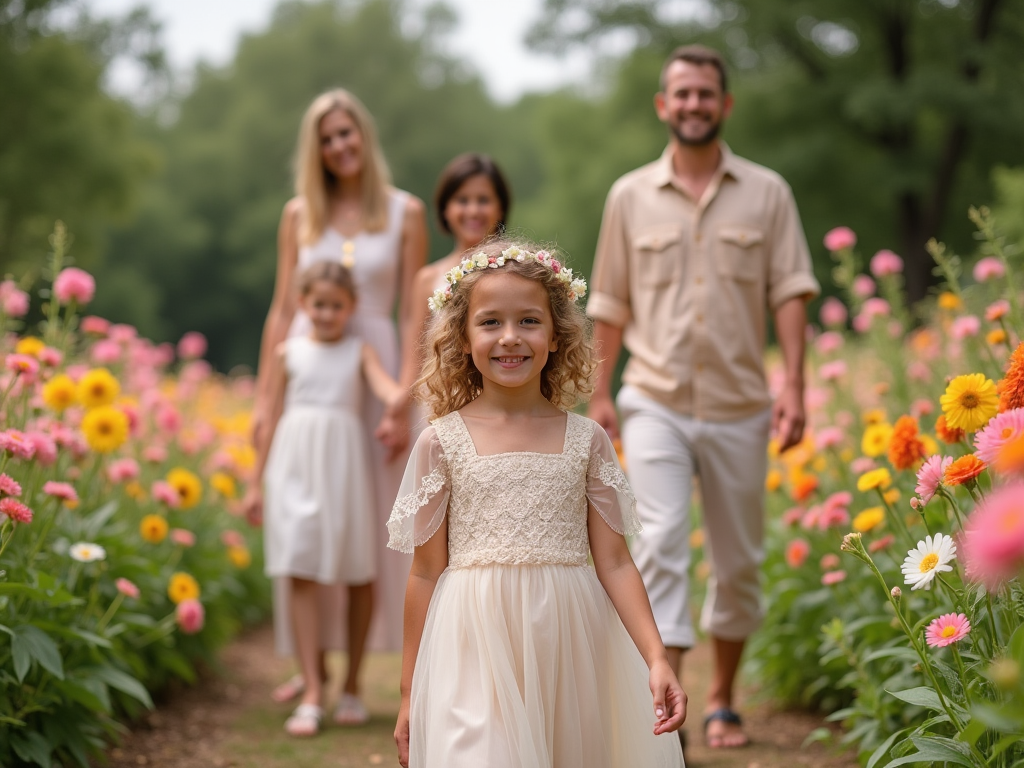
(576, 286)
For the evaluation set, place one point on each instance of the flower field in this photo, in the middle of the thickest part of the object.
(896, 531)
(121, 563)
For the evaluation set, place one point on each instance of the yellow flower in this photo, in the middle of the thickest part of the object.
(869, 519)
(153, 529)
(876, 439)
(949, 301)
(697, 538)
(105, 428)
(239, 557)
(846, 455)
(892, 495)
(773, 481)
(970, 401)
(243, 455)
(873, 416)
(182, 587)
(188, 486)
(876, 478)
(820, 464)
(59, 393)
(996, 336)
(29, 345)
(135, 490)
(224, 484)
(98, 387)
(930, 446)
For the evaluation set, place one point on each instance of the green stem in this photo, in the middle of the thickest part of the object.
(102, 623)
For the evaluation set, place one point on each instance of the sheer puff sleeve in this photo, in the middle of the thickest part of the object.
(607, 488)
(423, 497)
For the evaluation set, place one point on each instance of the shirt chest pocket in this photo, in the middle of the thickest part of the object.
(659, 257)
(741, 253)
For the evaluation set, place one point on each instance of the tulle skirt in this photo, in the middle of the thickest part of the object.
(529, 666)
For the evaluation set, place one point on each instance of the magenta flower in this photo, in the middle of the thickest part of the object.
(51, 357)
(863, 286)
(993, 540)
(96, 326)
(833, 312)
(17, 444)
(13, 300)
(9, 486)
(988, 268)
(1003, 428)
(965, 327)
(15, 510)
(74, 284)
(192, 345)
(22, 365)
(832, 577)
(127, 588)
(840, 238)
(45, 447)
(929, 476)
(63, 491)
(885, 263)
(190, 616)
(947, 629)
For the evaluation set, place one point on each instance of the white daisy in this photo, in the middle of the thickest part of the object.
(85, 552)
(931, 557)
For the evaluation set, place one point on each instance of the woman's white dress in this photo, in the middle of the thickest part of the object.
(374, 259)
(523, 660)
(320, 500)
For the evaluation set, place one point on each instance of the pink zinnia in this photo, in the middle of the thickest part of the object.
(122, 332)
(988, 268)
(62, 491)
(17, 444)
(22, 365)
(863, 287)
(73, 284)
(796, 552)
(929, 476)
(790, 517)
(97, 326)
(192, 345)
(45, 447)
(840, 238)
(862, 464)
(13, 300)
(921, 407)
(183, 538)
(154, 454)
(165, 494)
(51, 357)
(190, 616)
(105, 351)
(123, 470)
(1003, 428)
(828, 342)
(832, 371)
(127, 588)
(828, 437)
(919, 371)
(9, 486)
(829, 561)
(965, 327)
(876, 307)
(997, 310)
(232, 538)
(168, 419)
(832, 577)
(833, 312)
(947, 629)
(832, 517)
(839, 499)
(882, 543)
(15, 510)
(992, 546)
(886, 263)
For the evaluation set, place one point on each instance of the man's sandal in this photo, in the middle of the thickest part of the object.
(350, 711)
(290, 689)
(305, 721)
(724, 715)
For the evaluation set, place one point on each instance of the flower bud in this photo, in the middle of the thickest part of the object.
(915, 503)
(896, 593)
(1005, 673)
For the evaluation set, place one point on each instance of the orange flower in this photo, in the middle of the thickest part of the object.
(1011, 457)
(905, 447)
(1011, 389)
(963, 470)
(803, 487)
(947, 434)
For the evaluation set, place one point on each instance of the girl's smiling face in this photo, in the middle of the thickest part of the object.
(473, 212)
(510, 331)
(329, 307)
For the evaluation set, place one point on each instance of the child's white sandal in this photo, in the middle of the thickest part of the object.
(350, 711)
(305, 721)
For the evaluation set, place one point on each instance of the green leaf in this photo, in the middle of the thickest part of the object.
(32, 747)
(123, 682)
(22, 656)
(973, 731)
(921, 697)
(818, 734)
(885, 653)
(95, 522)
(841, 714)
(882, 750)
(936, 749)
(1003, 719)
(42, 648)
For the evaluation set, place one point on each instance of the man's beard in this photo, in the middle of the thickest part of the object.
(700, 141)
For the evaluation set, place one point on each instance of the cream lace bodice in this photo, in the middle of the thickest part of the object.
(512, 508)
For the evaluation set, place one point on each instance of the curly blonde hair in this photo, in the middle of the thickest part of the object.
(451, 380)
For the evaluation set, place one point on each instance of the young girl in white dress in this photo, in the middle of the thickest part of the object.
(319, 492)
(517, 651)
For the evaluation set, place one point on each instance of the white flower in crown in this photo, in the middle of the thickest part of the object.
(578, 287)
(480, 259)
(514, 252)
(438, 300)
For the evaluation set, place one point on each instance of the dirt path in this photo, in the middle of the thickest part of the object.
(228, 719)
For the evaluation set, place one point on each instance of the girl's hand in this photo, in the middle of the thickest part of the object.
(393, 431)
(252, 507)
(669, 698)
(402, 734)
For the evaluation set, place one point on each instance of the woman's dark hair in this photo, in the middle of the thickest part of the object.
(460, 170)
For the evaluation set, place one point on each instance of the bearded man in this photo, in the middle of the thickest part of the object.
(696, 249)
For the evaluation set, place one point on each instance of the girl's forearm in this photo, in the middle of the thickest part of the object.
(417, 599)
(626, 589)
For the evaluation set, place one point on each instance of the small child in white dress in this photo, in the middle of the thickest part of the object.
(517, 651)
(319, 495)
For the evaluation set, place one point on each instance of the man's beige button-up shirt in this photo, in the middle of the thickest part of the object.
(691, 282)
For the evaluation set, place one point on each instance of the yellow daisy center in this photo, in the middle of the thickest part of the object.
(969, 400)
(948, 631)
(928, 562)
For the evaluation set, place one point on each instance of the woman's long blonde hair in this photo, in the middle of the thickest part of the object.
(313, 182)
(450, 380)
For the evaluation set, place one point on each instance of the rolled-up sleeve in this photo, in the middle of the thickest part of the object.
(609, 283)
(790, 271)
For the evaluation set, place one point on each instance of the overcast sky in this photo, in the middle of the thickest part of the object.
(209, 30)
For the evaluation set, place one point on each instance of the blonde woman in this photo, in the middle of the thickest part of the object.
(345, 210)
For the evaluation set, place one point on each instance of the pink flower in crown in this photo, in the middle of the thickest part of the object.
(74, 284)
(17, 444)
(95, 326)
(833, 312)
(192, 345)
(922, 407)
(123, 470)
(13, 301)
(832, 578)
(105, 351)
(929, 476)
(51, 357)
(863, 287)
(796, 552)
(828, 437)
(964, 327)
(63, 491)
(832, 371)
(183, 538)
(45, 447)
(9, 486)
(992, 546)
(155, 454)
(988, 268)
(232, 538)
(15, 510)
(127, 588)
(997, 310)
(165, 493)
(25, 366)
(947, 629)
(828, 342)
(1001, 429)
(190, 616)
(885, 263)
(840, 239)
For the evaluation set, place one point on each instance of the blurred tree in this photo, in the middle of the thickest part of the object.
(887, 115)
